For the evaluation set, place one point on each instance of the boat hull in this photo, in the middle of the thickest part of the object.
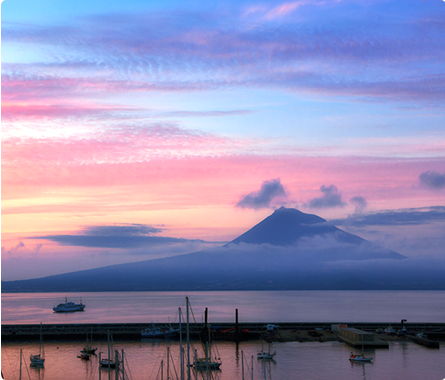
(69, 309)
(202, 365)
(104, 363)
(360, 360)
(36, 361)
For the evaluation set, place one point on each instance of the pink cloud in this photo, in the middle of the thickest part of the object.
(214, 180)
(284, 9)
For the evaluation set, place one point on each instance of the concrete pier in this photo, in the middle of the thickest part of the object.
(359, 338)
(133, 330)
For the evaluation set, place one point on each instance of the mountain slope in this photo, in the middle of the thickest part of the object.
(287, 250)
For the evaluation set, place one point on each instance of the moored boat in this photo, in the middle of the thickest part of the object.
(266, 355)
(164, 331)
(88, 348)
(359, 358)
(203, 363)
(38, 360)
(68, 306)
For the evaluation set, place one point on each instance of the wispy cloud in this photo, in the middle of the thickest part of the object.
(128, 236)
(205, 51)
(413, 216)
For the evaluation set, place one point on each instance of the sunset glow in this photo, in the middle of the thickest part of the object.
(160, 118)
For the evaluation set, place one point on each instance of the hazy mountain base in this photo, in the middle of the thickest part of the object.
(311, 265)
(288, 250)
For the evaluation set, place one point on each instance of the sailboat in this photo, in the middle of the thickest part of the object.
(265, 355)
(38, 360)
(88, 349)
(360, 358)
(207, 362)
(108, 362)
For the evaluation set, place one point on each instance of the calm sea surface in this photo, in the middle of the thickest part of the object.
(253, 306)
(294, 360)
(309, 361)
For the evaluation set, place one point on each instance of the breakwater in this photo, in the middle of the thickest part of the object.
(133, 330)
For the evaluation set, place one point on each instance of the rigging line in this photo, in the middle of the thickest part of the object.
(154, 368)
(173, 364)
(14, 366)
(128, 367)
(29, 377)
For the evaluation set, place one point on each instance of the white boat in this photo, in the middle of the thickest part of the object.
(108, 362)
(265, 355)
(68, 307)
(359, 358)
(164, 331)
(38, 360)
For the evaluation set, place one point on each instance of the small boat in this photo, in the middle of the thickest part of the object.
(359, 358)
(202, 364)
(38, 360)
(84, 356)
(105, 363)
(265, 355)
(108, 362)
(389, 330)
(88, 349)
(164, 331)
(68, 307)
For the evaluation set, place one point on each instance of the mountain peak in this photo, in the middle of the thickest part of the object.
(284, 227)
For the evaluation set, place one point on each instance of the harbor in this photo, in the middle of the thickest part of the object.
(143, 358)
(279, 323)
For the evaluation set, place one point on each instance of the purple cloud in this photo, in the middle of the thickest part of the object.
(264, 197)
(331, 198)
(359, 203)
(207, 51)
(432, 180)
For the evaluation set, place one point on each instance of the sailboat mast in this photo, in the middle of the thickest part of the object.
(207, 358)
(123, 366)
(109, 363)
(242, 363)
(168, 363)
(40, 344)
(188, 340)
(20, 374)
(181, 354)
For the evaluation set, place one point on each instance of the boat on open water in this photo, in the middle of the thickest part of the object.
(69, 306)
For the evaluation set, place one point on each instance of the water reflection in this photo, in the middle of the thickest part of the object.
(38, 372)
(293, 360)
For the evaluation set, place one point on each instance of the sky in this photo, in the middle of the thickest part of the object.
(144, 129)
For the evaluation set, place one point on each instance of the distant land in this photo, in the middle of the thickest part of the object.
(289, 250)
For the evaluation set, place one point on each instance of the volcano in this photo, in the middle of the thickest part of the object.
(287, 250)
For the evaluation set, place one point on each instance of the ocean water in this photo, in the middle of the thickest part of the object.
(253, 306)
